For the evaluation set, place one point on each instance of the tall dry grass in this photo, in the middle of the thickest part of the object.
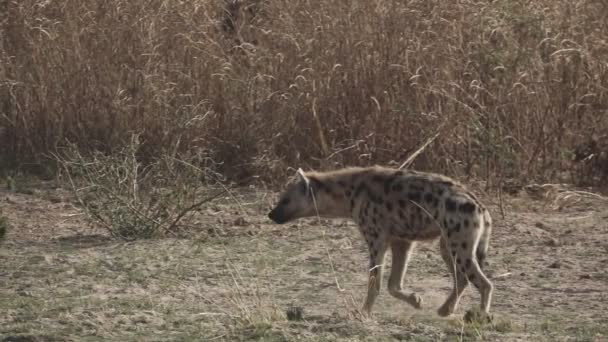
(510, 86)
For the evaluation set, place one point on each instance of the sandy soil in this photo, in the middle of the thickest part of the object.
(237, 275)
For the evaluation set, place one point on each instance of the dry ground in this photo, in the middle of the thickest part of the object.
(236, 277)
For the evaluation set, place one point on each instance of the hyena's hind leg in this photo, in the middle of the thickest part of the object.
(460, 253)
(377, 250)
(460, 281)
(484, 241)
(401, 252)
(474, 269)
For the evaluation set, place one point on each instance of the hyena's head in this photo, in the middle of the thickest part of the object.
(295, 202)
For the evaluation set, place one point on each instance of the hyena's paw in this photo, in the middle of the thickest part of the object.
(362, 314)
(445, 310)
(415, 300)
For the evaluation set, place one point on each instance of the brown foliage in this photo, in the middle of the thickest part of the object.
(511, 86)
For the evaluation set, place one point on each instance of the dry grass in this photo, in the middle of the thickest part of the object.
(512, 87)
(238, 280)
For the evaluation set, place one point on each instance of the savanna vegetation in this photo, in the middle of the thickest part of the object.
(174, 119)
(511, 88)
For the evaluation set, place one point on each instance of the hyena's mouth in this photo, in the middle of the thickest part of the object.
(277, 217)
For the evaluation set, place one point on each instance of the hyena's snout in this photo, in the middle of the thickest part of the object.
(277, 215)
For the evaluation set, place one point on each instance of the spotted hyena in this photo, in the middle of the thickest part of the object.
(395, 209)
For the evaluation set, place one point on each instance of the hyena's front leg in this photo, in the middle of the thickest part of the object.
(377, 250)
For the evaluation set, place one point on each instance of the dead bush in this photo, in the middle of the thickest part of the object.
(134, 200)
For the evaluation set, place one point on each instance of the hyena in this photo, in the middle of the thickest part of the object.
(395, 209)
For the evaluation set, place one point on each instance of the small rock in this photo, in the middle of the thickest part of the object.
(556, 264)
(295, 313)
(585, 276)
(539, 225)
(553, 242)
(55, 199)
(240, 221)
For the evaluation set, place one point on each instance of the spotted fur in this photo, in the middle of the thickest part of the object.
(394, 209)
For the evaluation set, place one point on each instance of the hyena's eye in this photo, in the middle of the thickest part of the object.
(284, 201)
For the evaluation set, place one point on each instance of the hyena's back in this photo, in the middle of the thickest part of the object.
(413, 205)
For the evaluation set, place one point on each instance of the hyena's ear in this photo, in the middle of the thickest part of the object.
(306, 180)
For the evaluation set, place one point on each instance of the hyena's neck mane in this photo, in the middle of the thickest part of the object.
(334, 189)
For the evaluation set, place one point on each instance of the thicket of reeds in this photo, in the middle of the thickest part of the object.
(510, 88)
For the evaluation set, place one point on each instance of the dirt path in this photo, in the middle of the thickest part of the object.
(236, 277)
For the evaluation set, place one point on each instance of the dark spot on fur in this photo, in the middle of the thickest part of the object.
(360, 188)
(446, 183)
(428, 197)
(318, 185)
(456, 227)
(467, 207)
(450, 205)
(414, 196)
(416, 188)
(374, 234)
(398, 187)
(401, 214)
(466, 223)
(348, 193)
(453, 245)
(472, 276)
(402, 203)
(445, 224)
(342, 183)
(453, 254)
(458, 261)
(449, 233)
(375, 210)
(389, 207)
(467, 263)
(440, 191)
(303, 188)
(464, 245)
(387, 184)
(413, 217)
(374, 221)
(352, 203)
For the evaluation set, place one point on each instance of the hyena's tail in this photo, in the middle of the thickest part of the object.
(484, 240)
